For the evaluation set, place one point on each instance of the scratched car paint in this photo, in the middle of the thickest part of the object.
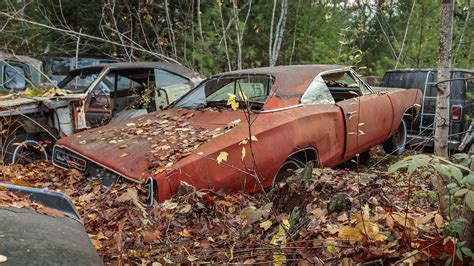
(319, 113)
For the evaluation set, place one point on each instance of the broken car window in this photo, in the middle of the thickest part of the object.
(216, 91)
(317, 93)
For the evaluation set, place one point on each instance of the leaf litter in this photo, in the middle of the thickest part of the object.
(318, 216)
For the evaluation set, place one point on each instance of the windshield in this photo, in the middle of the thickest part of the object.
(215, 92)
(78, 82)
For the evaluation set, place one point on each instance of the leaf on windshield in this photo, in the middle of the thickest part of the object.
(232, 102)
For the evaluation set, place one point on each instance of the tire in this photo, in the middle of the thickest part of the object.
(287, 169)
(395, 145)
(24, 149)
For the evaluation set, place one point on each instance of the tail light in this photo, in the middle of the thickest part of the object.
(456, 112)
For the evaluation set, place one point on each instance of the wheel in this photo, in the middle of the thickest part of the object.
(287, 169)
(24, 149)
(395, 145)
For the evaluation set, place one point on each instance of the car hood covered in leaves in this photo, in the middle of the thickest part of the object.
(151, 143)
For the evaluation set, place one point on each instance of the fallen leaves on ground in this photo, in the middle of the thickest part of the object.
(324, 219)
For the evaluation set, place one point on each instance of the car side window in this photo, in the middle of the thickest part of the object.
(345, 81)
(317, 93)
(124, 83)
(15, 77)
(164, 78)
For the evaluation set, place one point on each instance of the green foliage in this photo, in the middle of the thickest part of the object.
(316, 32)
(460, 178)
(460, 186)
(432, 196)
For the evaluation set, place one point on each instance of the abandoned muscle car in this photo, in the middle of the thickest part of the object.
(88, 97)
(320, 113)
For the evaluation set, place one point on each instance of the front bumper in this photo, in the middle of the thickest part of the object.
(67, 159)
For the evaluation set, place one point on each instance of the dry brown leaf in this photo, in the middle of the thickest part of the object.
(439, 221)
(424, 219)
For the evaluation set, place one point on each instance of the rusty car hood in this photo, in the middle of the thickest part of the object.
(135, 147)
(12, 104)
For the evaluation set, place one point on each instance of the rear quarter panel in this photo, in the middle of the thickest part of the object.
(402, 100)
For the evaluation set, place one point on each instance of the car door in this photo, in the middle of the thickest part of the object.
(368, 115)
(98, 109)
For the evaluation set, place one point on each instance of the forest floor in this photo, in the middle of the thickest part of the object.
(319, 216)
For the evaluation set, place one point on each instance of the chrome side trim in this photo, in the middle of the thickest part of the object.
(280, 109)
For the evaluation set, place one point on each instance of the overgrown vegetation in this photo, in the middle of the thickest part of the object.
(214, 36)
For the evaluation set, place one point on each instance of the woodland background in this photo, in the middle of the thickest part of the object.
(212, 36)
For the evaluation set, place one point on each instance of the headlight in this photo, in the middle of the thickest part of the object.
(67, 160)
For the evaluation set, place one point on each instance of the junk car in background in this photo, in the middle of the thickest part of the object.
(323, 114)
(87, 97)
(461, 105)
(19, 72)
(57, 68)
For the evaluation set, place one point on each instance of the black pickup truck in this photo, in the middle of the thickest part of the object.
(421, 133)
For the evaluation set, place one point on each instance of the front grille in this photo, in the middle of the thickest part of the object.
(67, 159)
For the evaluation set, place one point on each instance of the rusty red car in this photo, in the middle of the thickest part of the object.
(245, 130)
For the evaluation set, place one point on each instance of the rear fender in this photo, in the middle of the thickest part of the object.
(402, 102)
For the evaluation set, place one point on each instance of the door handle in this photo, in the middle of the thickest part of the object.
(351, 114)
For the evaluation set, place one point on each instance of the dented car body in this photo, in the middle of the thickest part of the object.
(88, 97)
(239, 125)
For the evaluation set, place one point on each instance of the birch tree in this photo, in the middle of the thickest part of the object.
(443, 87)
(279, 31)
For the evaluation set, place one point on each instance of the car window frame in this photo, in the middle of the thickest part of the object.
(361, 81)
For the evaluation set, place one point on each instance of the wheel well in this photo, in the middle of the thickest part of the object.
(305, 155)
(410, 116)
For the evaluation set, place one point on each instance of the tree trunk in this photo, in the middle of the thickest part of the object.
(170, 30)
(442, 96)
(224, 36)
(235, 8)
(270, 44)
(443, 88)
(198, 5)
(280, 29)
